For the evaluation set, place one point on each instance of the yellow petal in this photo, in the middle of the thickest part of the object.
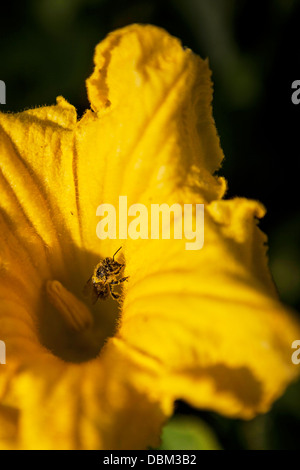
(211, 317)
(205, 326)
(37, 168)
(153, 103)
(91, 406)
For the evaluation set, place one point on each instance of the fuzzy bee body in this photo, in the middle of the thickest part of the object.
(101, 283)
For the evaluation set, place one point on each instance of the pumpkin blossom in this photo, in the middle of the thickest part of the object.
(205, 326)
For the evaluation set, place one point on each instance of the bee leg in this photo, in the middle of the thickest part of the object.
(116, 283)
(113, 294)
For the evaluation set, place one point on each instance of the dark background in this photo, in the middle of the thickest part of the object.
(46, 50)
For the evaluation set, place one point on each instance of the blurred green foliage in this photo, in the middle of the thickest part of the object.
(46, 50)
(188, 433)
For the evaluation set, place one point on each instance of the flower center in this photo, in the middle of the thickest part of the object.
(70, 328)
(76, 314)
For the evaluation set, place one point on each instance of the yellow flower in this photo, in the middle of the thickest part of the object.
(204, 326)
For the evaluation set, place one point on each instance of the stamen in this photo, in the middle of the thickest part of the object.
(75, 312)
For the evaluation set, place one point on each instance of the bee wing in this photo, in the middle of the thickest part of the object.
(89, 291)
(87, 287)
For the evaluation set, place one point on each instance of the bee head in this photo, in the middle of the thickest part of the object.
(107, 268)
(100, 272)
(112, 266)
(115, 267)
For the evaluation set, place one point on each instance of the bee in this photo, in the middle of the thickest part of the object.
(100, 285)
